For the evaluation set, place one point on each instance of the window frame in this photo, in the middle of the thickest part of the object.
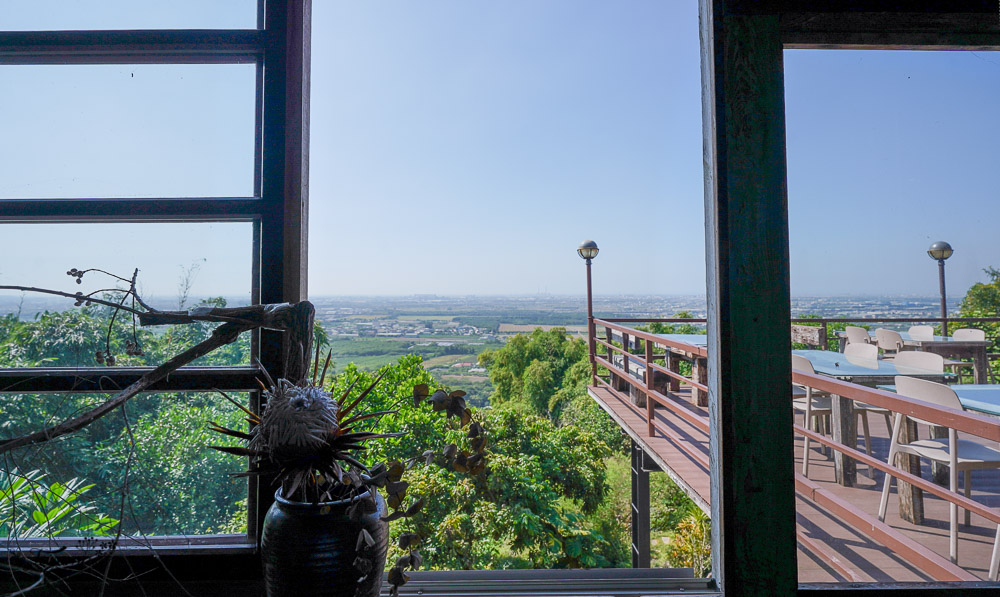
(277, 210)
(754, 545)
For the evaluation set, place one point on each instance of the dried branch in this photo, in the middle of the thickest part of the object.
(224, 334)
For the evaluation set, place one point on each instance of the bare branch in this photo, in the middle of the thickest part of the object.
(72, 296)
(224, 334)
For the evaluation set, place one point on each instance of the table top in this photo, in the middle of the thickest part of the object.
(910, 341)
(835, 364)
(984, 398)
(695, 339)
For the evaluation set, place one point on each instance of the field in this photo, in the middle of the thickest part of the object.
(516, 328)
(446, 360)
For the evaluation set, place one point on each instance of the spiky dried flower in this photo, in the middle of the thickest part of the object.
(297, 422)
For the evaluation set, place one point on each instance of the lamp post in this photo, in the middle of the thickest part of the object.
(587, 251)
(941, 251)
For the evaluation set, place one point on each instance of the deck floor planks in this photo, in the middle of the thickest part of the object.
(866, 559)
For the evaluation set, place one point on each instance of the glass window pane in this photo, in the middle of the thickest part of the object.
(180, 266)
(176, 483)
(540, 124)
(68, 15)
(127, 131)
(888, 152)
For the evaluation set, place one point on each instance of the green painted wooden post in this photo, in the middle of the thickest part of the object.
(749, 369)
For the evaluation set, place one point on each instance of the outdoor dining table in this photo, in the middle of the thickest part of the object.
(865, 372)
(945, 346)
(983, 398)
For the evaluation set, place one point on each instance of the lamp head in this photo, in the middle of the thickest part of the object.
(940, 250)
(588, 250)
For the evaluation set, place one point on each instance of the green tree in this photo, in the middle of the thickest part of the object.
(517, 378)
(983, 300)
(529, 511)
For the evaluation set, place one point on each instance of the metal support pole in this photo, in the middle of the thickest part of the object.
(944, 301)
(640, 510)
(591, 332)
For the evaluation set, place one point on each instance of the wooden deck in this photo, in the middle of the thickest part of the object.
(832, 549)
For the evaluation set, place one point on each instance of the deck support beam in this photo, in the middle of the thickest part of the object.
(640, 509)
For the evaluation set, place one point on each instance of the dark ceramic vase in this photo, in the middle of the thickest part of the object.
(310, 549)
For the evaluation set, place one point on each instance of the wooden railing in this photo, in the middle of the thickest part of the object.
(622, 340)
(822, 324)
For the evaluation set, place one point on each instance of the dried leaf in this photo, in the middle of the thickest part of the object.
(415, 507)
(394, 516)
(416, 560)
(396, 576)
(396, 470)
(457, 394)
(474, 430)
(450, 450)
(428, 456)
(439, 400)
(397, 488)
(408, 540)
(420, 393)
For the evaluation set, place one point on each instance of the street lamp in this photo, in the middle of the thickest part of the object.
(587, 251)
(941, 251)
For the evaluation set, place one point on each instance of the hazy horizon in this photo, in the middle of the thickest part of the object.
(467, 147)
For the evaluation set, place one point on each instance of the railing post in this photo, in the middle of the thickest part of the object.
(824, 336)
(650, 405)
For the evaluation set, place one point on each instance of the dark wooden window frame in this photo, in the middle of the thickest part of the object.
(746, 237)
(279, 48)
(748, 268)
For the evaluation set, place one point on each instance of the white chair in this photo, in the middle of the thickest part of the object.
(861, 352)
(889, 342)
(866, 355)
(958, 454)
(919, 359)
(921, 332)
(965, 334)
(969, 334)
(857, 335)
(816, 404)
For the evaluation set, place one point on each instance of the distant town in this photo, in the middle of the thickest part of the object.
(449, 332)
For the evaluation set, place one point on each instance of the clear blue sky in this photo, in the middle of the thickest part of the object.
(467, 147)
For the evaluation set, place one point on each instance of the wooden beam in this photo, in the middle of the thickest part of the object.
(236, 209)
(749, 370)
(893, 30)
(130, 47)
(284, 138)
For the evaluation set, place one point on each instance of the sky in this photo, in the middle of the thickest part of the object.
(468, 147)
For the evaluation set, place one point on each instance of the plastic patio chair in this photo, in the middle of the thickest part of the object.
(862, 352)
(921, 332)
(965, 334)
(816, 404)
(958, 454)
(857, 335)
(889, 342)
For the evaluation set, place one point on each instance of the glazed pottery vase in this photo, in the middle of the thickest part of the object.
(311, 548)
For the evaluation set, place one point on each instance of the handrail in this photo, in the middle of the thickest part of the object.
(702, 320)
(960, 420)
